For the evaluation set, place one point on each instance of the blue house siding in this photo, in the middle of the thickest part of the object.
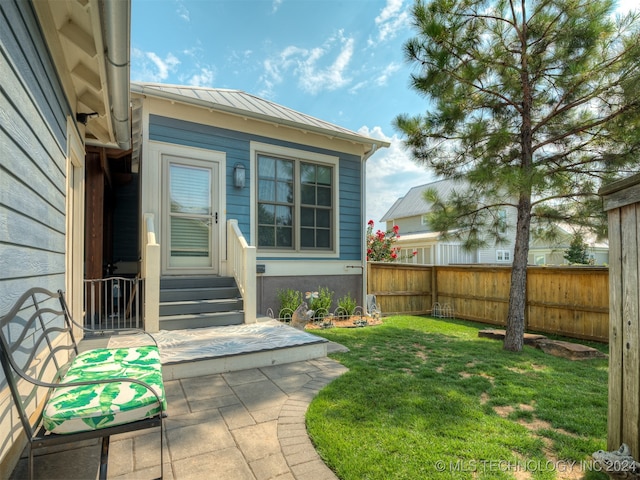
(33, 116)
(236, 145)
(21, 38)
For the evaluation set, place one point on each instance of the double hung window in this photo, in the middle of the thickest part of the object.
(295, 204)
(503, 256)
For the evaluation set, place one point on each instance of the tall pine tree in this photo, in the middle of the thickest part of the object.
(533, 104)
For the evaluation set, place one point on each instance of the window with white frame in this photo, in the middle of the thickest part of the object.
(295, 204)
(503, 256)
(502, 220)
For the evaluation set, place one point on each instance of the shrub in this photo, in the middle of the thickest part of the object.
(347, 305)
(289, 300)
(380, 245)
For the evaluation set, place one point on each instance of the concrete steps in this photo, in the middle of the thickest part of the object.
(199, 301)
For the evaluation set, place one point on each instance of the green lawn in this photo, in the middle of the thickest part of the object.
(426, 398)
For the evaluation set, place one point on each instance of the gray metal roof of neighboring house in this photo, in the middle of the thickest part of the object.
(244, 104)
(413, 202)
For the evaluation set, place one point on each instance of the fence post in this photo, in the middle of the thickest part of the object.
(621, 201)
(434, 285)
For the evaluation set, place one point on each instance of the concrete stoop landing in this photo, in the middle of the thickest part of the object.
(203, 351)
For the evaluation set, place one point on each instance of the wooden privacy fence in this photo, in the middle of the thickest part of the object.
(569, 301)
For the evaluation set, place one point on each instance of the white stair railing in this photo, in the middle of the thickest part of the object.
(241, 263)
(151, 275)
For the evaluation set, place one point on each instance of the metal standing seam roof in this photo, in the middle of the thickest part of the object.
(413, 202)
(246, 105)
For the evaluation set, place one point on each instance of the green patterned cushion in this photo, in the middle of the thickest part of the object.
(84, 408)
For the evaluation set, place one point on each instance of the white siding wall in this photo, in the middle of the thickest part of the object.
(408, 225)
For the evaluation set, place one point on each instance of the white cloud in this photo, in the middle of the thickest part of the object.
(625, 6)
(310, 66)
(313, 78)
(391, 173)
(204, 78)
(386, 73)
(275, 5)
(149, 67)
(183, 12)
(357, 87)
(393, 18)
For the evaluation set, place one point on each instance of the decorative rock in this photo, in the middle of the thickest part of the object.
(301, 316)
(619, 464)
(498, 334)
(558, 348)
(571, 351)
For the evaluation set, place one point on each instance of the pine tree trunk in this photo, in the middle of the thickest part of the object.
(514, 337)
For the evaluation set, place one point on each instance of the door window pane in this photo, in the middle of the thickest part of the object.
(190, 211)
(190, 190)
(189, 237)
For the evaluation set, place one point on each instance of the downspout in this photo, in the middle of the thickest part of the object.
(363, 201)
(117, 30)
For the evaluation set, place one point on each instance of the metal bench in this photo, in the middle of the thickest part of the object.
(64, 396)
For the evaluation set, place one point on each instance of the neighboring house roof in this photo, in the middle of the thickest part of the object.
(565, 236)
(89, 44)
(413, 202)
(420, 237)
(243, 104)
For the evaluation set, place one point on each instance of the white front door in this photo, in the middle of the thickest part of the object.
(191, 216)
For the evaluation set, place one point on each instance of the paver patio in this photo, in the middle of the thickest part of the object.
(246, 424)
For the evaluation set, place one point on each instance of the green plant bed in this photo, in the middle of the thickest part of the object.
(426, 398)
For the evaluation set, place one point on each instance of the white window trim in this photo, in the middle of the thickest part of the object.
(293, 153)
(75, 207)
(506, 256)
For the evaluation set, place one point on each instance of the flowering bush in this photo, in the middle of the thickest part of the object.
(380, 245)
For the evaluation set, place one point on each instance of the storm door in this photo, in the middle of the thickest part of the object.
(191, 216)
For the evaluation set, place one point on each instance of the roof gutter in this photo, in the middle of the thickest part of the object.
(117, 30)
(363, 208)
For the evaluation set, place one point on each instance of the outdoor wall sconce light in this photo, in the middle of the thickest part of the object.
(84, 117)
(238, 176)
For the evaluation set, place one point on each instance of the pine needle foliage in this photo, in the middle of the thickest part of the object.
(534, 105)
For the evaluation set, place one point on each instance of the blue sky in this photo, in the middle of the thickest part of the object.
(338, 60)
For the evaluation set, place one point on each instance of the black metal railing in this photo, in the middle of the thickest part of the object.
(113, 303)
